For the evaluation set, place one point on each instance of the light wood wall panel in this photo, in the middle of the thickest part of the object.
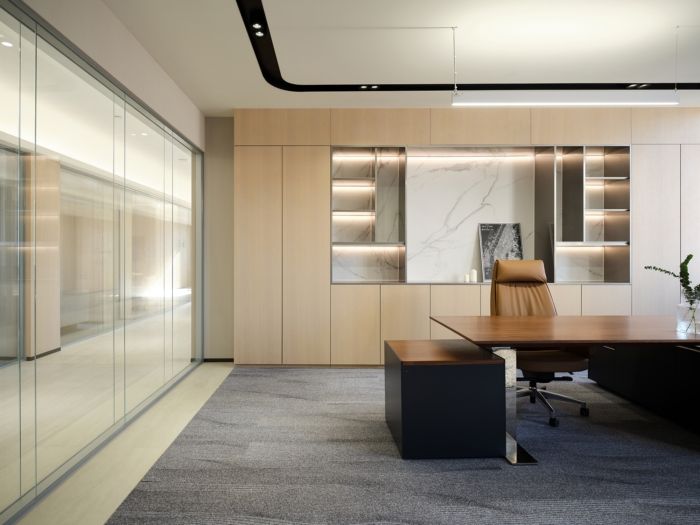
(690, 208)
(377, 127)
(292, 127)
(480, 126)
(655, 196)
(455, 299)
(606, 299)
(306, 255)
(405, 311)
(258, 255)
(485, 299)
(355, 326)
(42, 262)
(567, 298)
(666, 126)
(581, 126)
(218, 248)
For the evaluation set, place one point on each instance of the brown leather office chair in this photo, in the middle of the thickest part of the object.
(519, 288)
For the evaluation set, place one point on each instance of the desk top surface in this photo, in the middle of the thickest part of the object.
(449, 352)
(567, 330)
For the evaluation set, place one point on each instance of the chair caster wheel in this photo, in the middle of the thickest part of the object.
(553, 422)
(584, 411)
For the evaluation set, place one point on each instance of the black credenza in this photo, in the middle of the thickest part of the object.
(663, 379)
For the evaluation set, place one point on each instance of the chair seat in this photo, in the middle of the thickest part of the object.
(550, 361)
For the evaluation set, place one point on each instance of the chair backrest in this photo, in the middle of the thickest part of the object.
(519, 288)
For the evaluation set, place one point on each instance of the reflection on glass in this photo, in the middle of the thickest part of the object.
(10, 261)
(96, 260)
(74, 261)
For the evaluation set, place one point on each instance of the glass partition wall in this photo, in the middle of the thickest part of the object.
(98, 236)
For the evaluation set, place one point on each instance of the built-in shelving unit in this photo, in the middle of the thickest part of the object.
(368, 214)
(592, 202)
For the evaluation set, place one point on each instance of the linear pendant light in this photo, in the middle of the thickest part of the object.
(596, 97)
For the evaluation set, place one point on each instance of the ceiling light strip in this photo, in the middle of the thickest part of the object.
(588, 98)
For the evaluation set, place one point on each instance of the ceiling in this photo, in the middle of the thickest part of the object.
(205, 48)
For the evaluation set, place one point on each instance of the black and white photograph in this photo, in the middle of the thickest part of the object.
(498, 241)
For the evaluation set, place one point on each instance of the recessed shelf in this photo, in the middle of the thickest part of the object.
(354, 213)
(593, 177)
(354, 182)
(369, 244)
(591, 244)
(601, 211)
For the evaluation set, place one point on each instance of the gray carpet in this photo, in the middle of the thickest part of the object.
(276, 446)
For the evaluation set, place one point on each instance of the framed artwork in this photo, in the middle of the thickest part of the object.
(498, 241)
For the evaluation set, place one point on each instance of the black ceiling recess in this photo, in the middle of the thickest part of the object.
(253, 13)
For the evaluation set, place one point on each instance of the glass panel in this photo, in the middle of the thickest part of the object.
(97, 259)
(27, 148)
(74, 265)
(10, 261)
(182, 257)
(144, 245)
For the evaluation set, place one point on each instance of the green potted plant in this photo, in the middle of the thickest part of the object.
(686, 314)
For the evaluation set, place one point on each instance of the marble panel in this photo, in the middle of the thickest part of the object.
(389, 226)
(448, 193)
(348, 228)
(353, 198)
(580, 264)
(367, 263)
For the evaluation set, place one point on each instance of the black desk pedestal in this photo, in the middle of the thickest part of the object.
(444, 399)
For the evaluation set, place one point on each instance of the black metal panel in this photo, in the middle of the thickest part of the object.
(392, 395)
(445, 410)
(661, 378)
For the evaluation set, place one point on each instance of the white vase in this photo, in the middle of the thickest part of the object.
(687, 319)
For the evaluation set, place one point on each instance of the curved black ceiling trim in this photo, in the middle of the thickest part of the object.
(253, 15)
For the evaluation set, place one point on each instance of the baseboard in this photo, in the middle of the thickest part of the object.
(43, 354)
(218, 359)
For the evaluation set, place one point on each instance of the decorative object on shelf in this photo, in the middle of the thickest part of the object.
(498, 241)
(686, 313)
(473, 276)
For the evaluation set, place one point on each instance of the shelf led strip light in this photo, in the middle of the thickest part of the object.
(594, 97)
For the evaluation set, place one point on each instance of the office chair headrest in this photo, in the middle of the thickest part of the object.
(519, 271)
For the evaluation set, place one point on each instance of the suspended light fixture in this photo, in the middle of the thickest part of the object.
(571, 98)
(591, 97)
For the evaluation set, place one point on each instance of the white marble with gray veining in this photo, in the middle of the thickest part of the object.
(353, 264)
(388, 222)
(447, 198)
(353, 229)
(580, 264)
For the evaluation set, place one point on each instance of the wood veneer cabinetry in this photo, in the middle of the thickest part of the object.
(380, 127)
(305, 256)
(480, 126)
(666, 125)
(448, 299)
(655, 194)
(405, 312)
(580, 126)
(258, 255)
(355, 324)
(288, 127)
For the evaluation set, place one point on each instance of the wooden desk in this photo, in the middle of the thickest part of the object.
(540, 332)
(641, 358)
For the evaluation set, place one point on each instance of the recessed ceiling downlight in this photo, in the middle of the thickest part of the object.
(7, 44)
(257, 26)
(259, 34)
